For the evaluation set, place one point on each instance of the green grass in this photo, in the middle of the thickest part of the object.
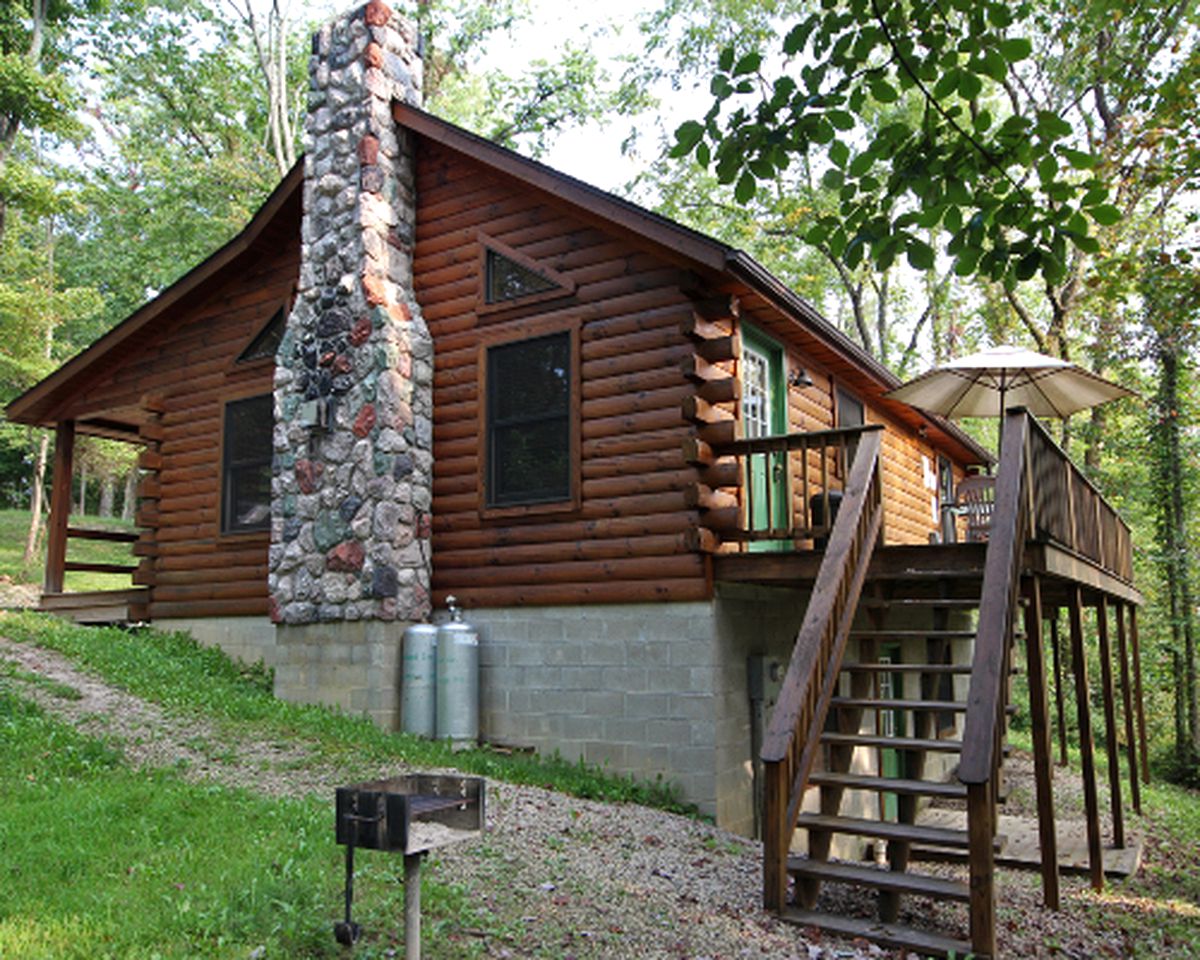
(14, 527)
(173, 670)
(102, 861)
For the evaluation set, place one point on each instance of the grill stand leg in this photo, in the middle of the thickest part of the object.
(412, 906)
(348, 931)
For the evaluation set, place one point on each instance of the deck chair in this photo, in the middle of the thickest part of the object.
(976, 499)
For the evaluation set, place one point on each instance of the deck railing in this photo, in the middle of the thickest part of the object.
(792, 485)
(793, 736)
(1067, 509)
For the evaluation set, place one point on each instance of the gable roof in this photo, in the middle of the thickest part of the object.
(40, 405)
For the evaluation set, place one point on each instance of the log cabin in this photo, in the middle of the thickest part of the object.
(697, 539)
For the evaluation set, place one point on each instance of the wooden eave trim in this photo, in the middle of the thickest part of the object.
(36, 406)
(564, 187)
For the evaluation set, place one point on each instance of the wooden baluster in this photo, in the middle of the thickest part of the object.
(1086, 749)
(1040, 716)
(1135, 790)
(981, 831)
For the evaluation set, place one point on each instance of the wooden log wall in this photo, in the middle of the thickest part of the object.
(179, 376)
(634, 535)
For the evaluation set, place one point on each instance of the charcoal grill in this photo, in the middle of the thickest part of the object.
(410, 814)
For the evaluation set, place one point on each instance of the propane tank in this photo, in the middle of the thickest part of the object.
(457, 679)
(417, 684)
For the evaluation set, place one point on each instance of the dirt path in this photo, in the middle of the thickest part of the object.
(570, 877)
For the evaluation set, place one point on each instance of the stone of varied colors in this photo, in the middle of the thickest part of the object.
(354, 370)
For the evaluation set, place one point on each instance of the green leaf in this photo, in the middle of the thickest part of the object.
(687, 135)
(748, 64)
(842, 119)
(839, 153)
(969, 85)
(725, 61)
(983, 120)
(1028, 265)
(1078, 158)
(861, 163)
(920, 254)
(1050, 126)
(746, 187)
(884, 92)
(1016, 49)
(947, 84)
(1105, 214)
(832, 179)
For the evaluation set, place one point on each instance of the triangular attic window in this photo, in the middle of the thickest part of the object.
(266, 341)
(508, 280)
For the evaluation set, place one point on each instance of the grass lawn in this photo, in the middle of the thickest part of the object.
(14, 527)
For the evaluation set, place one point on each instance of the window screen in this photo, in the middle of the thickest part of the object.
(508, 280)
(246, 467)
(528, 421)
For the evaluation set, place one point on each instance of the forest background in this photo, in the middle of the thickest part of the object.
(936, 177)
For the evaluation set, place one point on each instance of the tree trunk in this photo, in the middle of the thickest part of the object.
(37, 499)
(107, 494)
(83, 478)
(129, 505)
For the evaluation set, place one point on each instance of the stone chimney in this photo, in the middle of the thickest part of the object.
(353, 458)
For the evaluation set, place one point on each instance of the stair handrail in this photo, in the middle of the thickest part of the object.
(793, 734)
(986, 700)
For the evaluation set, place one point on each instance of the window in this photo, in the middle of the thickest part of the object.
(850, 413)
(509, 277)
(528, 453)
(266, 341)
(508, 280)
(246, 465)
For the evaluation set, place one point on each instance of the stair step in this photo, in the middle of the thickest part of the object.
(863, 781)
(897, 743)
(929, 634)
(886, 830)
(958, 603)
(921, 942)
(870, 703)
(892, 743)
(880, 878)
(960, 668)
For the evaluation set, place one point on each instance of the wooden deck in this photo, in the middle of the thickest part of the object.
(98, 606)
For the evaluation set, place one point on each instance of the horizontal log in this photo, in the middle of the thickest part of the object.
(634, 362)
(652, 545)
(724, 521)
(633, 423)
(224, 607)
(638, 401)
(679, 590)
(217, 556)
(720, 307)
(145, 548)
(150, 431)
(715, 351)
(454, 485)
(147, 518)
(149, 487)
(629, 485)
(209, 591)
(724, 473)
(725, 390)
(651, 461)
(698, 328)
(77, 566)
(624, 444)
(640, 342)
(143, 576)
(150, 460)
(699, 496)
(702, 540)
(108, 536)
(645, 524)
(717, 434)
(641, 380)
(696, 452)
(152, 403)
(696, 410)
(700, 370)
(581, 571)
(254, 573)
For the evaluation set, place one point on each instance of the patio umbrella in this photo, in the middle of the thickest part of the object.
(985, 384)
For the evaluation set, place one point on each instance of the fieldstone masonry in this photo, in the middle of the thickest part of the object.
(353, 466)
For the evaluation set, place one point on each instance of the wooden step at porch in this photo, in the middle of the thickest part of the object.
(956, 668)
(862, 781)
(887, 830)
(879, 878)
(908, 634)
(872, 703)
(910, 603)
(921, 942)
(891, 743)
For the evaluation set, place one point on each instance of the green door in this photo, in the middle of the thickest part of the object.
(764, 414)
(891, 724)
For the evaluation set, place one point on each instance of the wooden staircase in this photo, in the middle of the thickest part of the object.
(915, 728)
(874, 741)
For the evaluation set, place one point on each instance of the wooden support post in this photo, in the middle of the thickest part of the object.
(1110, 723)
(1060, 707)
(1138, 701)
(1083, 706)
(60, 506)
(981, 817)
(775, 849)
(1135, 788)
(1039, 711)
